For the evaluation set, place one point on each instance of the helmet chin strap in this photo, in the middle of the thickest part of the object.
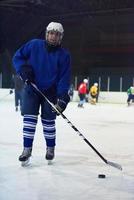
(52, 44)
(51, 47)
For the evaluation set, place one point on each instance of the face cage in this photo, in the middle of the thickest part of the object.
(60, 39)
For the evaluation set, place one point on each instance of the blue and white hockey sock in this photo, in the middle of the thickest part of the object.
(29, 127)
(49, 132)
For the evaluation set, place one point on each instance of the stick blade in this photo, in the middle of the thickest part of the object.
(116, 165)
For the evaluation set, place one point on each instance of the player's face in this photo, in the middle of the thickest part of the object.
(53, 37)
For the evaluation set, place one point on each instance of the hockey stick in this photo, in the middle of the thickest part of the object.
(117, 166)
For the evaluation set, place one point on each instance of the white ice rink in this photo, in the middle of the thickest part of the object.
(74, 173)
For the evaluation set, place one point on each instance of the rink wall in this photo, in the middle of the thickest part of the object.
(104, 97)
(107, 97)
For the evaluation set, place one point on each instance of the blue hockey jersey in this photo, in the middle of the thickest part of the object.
(50, 67)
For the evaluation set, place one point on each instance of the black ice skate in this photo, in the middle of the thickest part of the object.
(16, 109)
(128, 103)
(25, 156)
(80, 106)
(50, 154)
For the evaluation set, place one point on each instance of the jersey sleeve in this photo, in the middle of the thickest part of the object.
(22, 55)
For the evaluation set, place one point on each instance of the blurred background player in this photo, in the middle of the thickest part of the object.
(71, 92)
(82, 91)
(94, 92)
(17, 84)
(130, 93)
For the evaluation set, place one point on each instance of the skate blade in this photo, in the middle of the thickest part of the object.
(25, 163)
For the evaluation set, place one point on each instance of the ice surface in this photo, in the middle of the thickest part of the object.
(74, 173)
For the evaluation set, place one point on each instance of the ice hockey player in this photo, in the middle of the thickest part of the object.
(17, 84)
(130, 93)
(46, 64)
(94, 93)
(71, 92)
(82, 91)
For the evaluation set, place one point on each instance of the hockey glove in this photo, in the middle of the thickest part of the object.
(27, 74)
(62, 103)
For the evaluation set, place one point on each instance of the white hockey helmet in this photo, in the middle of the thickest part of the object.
(85, 81)
(55, 26)
(96, 84)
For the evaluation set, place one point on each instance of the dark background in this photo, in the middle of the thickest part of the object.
(98, 33)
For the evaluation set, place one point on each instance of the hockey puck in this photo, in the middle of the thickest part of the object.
(101, 176)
